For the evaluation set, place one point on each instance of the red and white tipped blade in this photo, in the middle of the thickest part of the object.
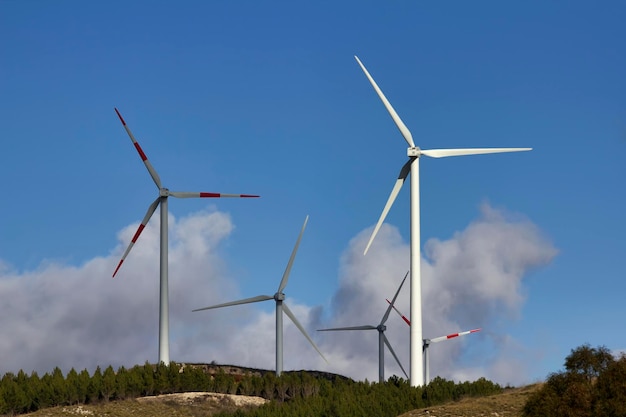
(404, 172)
(407, 321)
(143, 224)
(386, 316)
(144, 158)
(185, 194)
(442, 153)
(399, 123)
(453, 335)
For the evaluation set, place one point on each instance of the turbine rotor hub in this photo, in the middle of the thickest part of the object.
(279, 296)
(381, 328)
(413, 152)
(164, 192)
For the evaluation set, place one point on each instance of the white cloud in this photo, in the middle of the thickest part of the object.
(473, 279)
(79, 317)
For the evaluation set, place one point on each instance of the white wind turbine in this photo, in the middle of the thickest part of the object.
(412, 165)
(164, 193)
(281, 308)
(427, 342)
(382, 339)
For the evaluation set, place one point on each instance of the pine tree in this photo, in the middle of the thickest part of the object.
(121, 384)
(108, 383)
(82, 387)
(59, 387)
(72, 383)
(94, 392)
(148, 379)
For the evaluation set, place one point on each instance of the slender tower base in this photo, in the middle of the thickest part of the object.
(164, 322)
(279, 337)
(417, 372)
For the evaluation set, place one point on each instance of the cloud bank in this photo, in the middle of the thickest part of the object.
(68, 316)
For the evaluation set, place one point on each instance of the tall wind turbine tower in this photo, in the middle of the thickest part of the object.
(412, 165)
(281, 307)
(164, 193)
(382, 339)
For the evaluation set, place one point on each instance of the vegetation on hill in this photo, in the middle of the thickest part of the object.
(592, 384)
(292, 394)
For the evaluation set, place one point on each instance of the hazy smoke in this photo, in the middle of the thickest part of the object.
(79, 317)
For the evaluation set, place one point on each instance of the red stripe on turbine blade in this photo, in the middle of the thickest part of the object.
(118, 267)
(141, 154)
(450, 336)
(120, 116)
(219, 195)
(137, 233)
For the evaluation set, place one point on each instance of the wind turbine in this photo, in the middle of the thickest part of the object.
(164, 193)
(427, 342)
(412, 165)
(281, 308)
(381, 337)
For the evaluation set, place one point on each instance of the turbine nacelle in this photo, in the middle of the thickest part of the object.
(414, 152)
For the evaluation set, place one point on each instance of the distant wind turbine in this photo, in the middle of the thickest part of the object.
(164, 193)
(412, 165)
(281, 307)
(427, 342)
(382, 339)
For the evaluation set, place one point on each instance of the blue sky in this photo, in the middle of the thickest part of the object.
(266, 98)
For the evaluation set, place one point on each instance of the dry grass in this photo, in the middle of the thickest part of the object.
(508, 404)
(192, 404)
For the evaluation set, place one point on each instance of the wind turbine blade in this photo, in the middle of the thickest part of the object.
(394, 355)
(143, 224)
(404, 172)
(453, 335)
(235, 303)
(442, 153)
(386, 316)
(283, 282)
(295, 321)
(365, 327)
(185, 194)
(144, 158)
(407, 321)
(401, 126)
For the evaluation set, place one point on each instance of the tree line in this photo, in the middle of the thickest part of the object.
(593, 384)
(299, 393)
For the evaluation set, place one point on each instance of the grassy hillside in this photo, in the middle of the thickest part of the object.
(507, 404)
